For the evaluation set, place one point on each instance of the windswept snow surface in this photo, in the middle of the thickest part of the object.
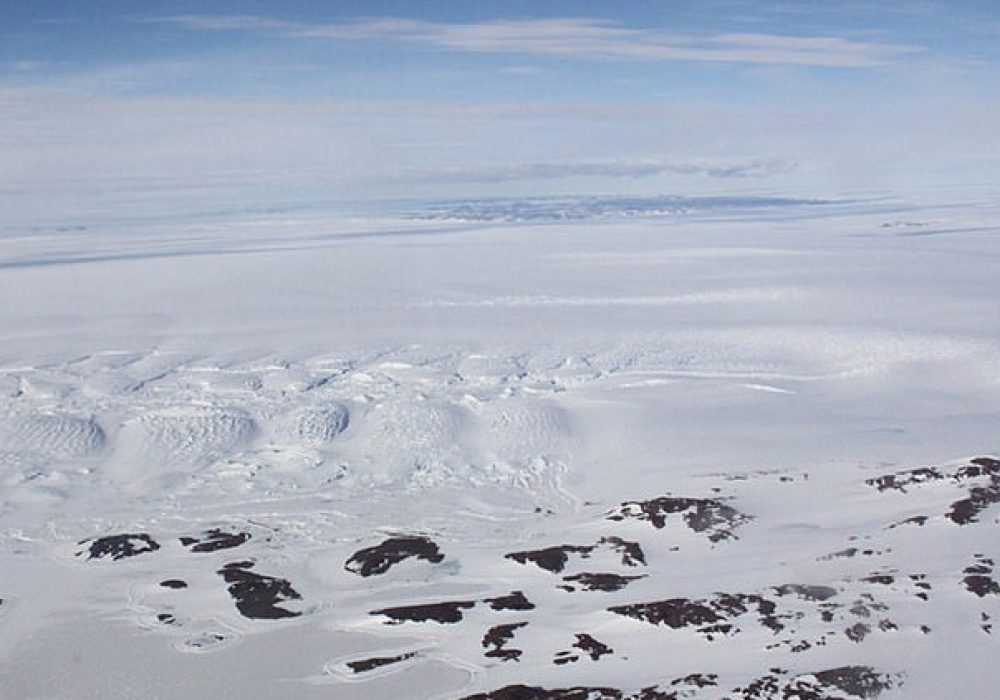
(745, 451)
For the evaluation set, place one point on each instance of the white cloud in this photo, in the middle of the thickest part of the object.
(576, 38)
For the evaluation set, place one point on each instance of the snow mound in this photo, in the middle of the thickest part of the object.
(316, 426)
(184, 436)
(52, 435)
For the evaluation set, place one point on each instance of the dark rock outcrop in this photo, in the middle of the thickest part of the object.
(514, 601)
(445, 613)
(257, 596)
(550, 558)
(709, 516)
(599, 582)
(118, 547)
(215, 540)
(376, 560)
(367, 665)
(497, 638)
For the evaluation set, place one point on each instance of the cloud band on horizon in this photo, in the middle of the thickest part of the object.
(579, 38)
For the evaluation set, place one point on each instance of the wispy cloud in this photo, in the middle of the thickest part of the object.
(585, 39)
(711, 167)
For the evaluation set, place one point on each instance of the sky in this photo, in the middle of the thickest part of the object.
(112, 107)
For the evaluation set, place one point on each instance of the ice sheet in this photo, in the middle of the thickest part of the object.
(241, 405)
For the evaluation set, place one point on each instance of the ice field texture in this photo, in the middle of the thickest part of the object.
(499, 450)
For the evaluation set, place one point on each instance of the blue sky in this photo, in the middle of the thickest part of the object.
(108, 103)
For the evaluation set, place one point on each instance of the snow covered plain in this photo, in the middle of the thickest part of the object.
(715, 449)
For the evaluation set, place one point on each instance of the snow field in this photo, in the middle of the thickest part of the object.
(679, 452)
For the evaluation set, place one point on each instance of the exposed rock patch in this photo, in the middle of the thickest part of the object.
(376, 560)
(675, 612)
(978, 577)
(712, 616)
(367, 665)
(526, 692)
(554, 559)
(118, 547)
(678, 688)
(920, 582)
(854, 681)
(445, 613)
(985, 471)
(551, 558)
(709, 516)
(514, 601)
(215, 540)
(966, 510)
(599, 582)
(882, 579)
(592, 647)
(497, 638)
(901, 481)
(631, 553)
(918, 520)
(859, 681)
(257, 596)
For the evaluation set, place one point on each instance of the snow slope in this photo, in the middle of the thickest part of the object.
(740, 452)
